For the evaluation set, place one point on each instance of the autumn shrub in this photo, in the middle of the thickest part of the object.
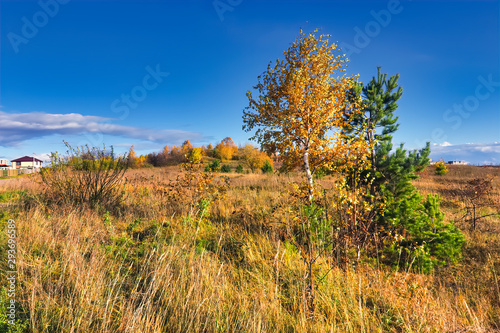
(177, 155)
(253, 158)
(475, 195)
(440, 168)
(157, 159)
(85, 176)
(195, 155)
(193, 189)
(133, 161)
(208, 150)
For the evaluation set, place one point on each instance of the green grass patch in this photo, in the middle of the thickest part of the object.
(12, 196)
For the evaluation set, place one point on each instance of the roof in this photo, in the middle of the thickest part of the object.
(26, 159)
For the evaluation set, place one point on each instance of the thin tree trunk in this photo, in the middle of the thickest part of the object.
(308, 173)
(311, 294)
(307, 232)
(309, 261)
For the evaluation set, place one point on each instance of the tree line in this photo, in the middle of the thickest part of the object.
(248, 155)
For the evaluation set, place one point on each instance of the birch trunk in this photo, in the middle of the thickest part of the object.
(308, 173)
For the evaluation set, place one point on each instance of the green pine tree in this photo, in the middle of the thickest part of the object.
(267, 168)
(411, 226)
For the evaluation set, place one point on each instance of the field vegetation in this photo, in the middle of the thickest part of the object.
(221, 260)
(326, 228)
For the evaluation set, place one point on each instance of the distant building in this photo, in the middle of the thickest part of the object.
(26, 162)
(458, 162)
(4, 164)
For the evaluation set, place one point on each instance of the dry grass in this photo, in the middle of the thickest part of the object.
(152, 268)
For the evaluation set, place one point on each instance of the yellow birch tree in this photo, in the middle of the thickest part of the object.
(303, 104)
(301, 112)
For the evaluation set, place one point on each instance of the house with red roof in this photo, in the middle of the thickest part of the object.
(26, 162)
(4, 164)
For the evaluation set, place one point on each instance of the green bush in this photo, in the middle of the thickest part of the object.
(225, 168)
(267, 168)
(214, 166)
(239, 168)
(424, 241)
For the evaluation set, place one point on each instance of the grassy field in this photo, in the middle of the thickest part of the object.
(165, 264)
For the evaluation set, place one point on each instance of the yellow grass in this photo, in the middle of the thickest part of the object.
(154, 268)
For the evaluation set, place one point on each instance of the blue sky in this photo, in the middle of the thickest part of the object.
(155, 73)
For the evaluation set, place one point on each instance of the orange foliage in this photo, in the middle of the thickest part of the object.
(226, 149)
(253, 158)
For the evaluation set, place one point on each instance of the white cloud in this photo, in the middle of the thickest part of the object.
(18, 127)
(444, 144)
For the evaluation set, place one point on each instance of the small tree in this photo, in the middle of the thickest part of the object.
(301, 105)
(176, 155)
(141, 161)
(400, 216)
(192, 190)
(226, 149)
(440, 168)
(132, 159)
(475, 195)
(253, 158)
(226, 168)
(267, 167)
(213, 167)
(186, 149)
(300, 109)
(195, 156)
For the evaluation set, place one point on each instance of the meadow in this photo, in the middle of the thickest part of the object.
(164, 262)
